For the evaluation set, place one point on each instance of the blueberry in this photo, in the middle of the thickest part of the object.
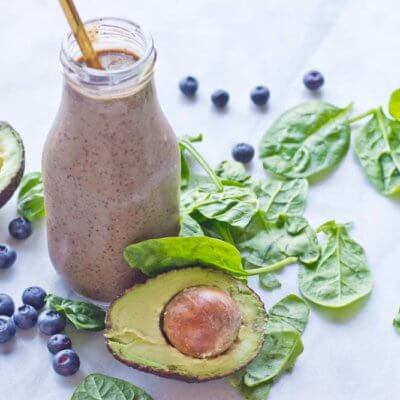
(66, 362)
(59, 342)
(26, 317)
(313, 80)
(220, 98)
(51, 322)
(243, 152)
(6, 305)
(35, 297)
(20, 228)
(7, 256)
(260, 95)
(189, 86)
(7, 329)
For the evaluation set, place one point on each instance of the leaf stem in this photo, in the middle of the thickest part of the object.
(273, 267)
(184, 143)
(362, 116)
(319, 229)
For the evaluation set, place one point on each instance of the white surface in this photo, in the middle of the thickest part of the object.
(234, 45)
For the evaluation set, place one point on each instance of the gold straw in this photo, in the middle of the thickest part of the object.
(81, 36)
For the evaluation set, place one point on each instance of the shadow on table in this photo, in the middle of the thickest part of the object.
(7, 348)
(340, 315)
(71, 382)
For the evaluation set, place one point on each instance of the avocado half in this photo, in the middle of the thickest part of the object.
(12, 161)
(134, 335)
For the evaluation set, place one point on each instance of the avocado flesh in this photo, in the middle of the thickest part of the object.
(12, 161)
(134, 335)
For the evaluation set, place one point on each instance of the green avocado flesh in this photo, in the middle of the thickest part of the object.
(134, 335)
(12, 162)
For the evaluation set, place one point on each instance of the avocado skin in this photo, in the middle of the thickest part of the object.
(173, 375)
(8, 191)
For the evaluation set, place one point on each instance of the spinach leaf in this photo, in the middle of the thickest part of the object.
(279, 352)
(396, 322)
(307, 140)
(394, 104)
(282, 345)
(82, 315)
(377, 145)
(190, 227)
(185, 169)
(185, 172)
(31, 197)
(230, 203)
(263, 242)
(259, 392)
(233, 171)
(279, 196)
(233, 205)
(341, 276)
(185, 144)
(291, 313)
(269, 281)
(281, 348)
(102, 387)
(156, 256)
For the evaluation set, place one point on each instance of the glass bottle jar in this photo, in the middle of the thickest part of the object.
(110, 162)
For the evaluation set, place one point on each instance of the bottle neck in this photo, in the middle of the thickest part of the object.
(123, 79)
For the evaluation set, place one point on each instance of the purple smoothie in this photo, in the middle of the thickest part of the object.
(111, 174)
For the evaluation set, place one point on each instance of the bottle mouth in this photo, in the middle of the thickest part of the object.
(110, 34)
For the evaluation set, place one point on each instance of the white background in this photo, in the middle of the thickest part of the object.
(234, 45)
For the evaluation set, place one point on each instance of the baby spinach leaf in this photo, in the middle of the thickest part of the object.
(185, 144)
(279, 196)
(281, 348)
(102, 387)
(233, 205)
(31, 197)
(259, 392)
(394, 104)
(197, 180)
(377, 145)
(307, 140)
(233, 171)
(185, 172)
(193, 197)
(282, 345)
(82, 315)
(269, 281)
(190, 227)
(291, 313)
(396, 322)
(341, 276)
(263, 242)
(185, 169)
(156, 256)
(216, 229)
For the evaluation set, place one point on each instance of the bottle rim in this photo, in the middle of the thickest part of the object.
(128, 32)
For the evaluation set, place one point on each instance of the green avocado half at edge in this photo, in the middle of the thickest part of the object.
(12, 161)
(134, 335)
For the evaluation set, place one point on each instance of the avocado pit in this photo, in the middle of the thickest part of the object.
(202, 321)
